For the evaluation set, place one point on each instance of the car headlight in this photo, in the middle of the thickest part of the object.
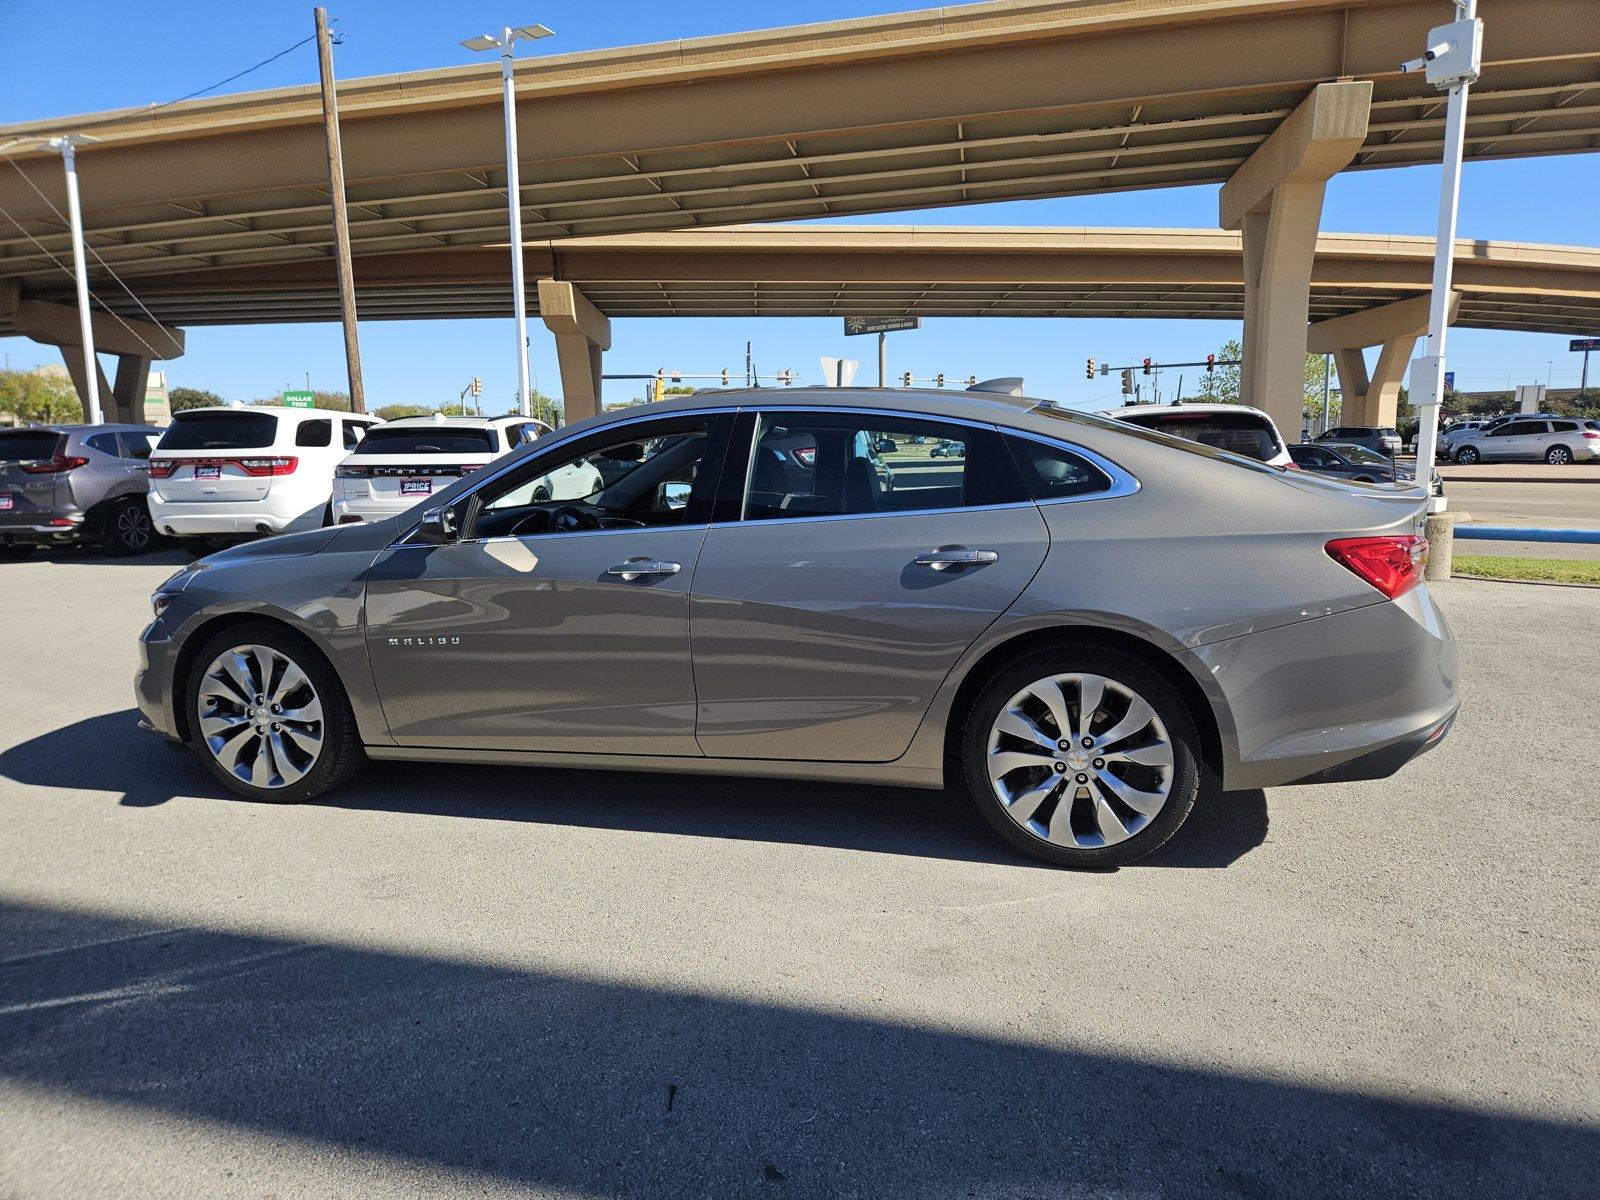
(161, 599)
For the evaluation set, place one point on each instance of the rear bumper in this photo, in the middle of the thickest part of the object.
(34, 529)
(350, 509)
(203, 519)
(1355, 695)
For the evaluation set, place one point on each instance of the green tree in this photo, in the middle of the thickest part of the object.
(393, 412)
(186, 397)
(1224, 385)
(46, 399)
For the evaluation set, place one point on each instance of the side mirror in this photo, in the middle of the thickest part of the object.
(675, 495)
(438, 528)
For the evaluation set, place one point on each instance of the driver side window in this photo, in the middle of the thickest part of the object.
(643, 480)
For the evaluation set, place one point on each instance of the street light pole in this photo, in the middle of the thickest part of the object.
(91, 365)
(1451, 61)
(506, 43)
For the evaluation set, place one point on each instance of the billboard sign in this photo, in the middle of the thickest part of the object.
(299, 399)
(1576, 343)
(855, 325)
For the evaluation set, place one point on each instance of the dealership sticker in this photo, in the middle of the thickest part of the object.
(416, 487)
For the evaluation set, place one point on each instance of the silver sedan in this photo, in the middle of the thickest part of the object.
(1085, 625)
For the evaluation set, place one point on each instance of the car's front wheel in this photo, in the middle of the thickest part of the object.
(1082, 756)
(269, 717)
(1558, 456)
(1467, 455)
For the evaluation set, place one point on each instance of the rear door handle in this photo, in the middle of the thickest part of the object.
(946, 557)
(638, 568)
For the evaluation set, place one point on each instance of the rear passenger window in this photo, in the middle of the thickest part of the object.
(842, 464)
(354, 431)
(1054, 473)
(1564, 426)
(314, 433)
(106, 443)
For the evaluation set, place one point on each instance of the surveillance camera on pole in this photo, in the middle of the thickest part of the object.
(1451, 63)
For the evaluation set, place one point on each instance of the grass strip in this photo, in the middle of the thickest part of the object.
(1539, 570)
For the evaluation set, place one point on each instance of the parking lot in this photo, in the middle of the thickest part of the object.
(504, 982)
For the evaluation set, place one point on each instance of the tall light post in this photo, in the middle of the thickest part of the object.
(1451, 63)
(67, 144)
(506, 43)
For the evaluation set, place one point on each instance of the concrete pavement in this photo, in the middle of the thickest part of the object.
(503, 982)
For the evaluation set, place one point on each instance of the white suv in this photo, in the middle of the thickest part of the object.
(406, 461)
(225, 472)
(1234, 427)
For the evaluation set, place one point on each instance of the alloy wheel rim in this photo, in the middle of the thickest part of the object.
(133, 527)
(1080, 761)
(260, 716)
(1559, 455)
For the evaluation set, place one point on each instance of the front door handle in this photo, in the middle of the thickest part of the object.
(638, 568)
(946, 557)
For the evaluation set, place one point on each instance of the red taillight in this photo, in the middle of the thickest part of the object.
(261, 467)
(162, 468)
(54, 466)
(1591, 435)
(1393, 565)
(1291, 465)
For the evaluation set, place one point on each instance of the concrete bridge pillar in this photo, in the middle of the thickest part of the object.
(583, 334)
(1275, 200)
(1374, 398)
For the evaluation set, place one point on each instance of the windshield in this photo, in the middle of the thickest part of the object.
(437, 439)
(28, 443)
(1239, 433)
(219, 431)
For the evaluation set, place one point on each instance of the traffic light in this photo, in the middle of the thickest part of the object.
(1127, 381)
(660, 388)
(786, 377)
(477, 386)
(1211, 363)
(972, 380)
(938, 380)
(1147, 366)
(724, 376)
(905, 380)
(1089, 370)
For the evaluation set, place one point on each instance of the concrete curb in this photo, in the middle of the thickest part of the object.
(1524, 582)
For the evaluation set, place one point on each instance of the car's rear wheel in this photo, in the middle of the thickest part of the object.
(128, 528)
(1558, 456)
(268, 715)
(1082, 756)
(1467, 455)
(16, 550)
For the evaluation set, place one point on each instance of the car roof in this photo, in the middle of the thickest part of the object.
(1129, 409)
(973, 406)
(276, 410)
(435, 422)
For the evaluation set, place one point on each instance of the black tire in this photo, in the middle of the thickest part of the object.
(1467, 456)
(16, 550)
(1558, 456)
(1363, 479)
(1125, 670)
(341, 754)
(127, 527)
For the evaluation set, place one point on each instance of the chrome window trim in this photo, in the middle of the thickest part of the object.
(1123, 483)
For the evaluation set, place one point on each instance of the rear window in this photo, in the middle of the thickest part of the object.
(1238, 433)
(220, 431)
(28, 443)
(441, 439)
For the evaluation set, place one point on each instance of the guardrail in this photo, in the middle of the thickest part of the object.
(1522, 533)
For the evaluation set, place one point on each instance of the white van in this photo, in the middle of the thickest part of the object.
(406, 461)
(249, 469)
(1234, 427)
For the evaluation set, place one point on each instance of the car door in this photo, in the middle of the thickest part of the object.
(557, 625)
(841, 583)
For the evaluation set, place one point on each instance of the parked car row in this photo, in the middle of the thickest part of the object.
(1559, 441)
(221, 474)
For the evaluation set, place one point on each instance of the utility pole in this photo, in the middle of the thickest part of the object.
(1327, 380)
(341, 218)
(1451, 61)
(91, 365)
(883, 360)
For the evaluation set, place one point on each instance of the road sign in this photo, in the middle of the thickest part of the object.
(1575, 344)
(300, 399)
(855, 325)
(838, 372)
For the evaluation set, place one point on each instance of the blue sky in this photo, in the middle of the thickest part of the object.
(178, 47)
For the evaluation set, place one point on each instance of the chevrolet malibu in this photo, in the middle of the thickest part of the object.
(1082, 624)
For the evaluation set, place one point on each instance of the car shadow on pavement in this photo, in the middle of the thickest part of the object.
(109, 753)
(161, 556)
(373, 1063)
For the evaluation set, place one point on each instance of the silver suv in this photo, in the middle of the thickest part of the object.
(61, 484)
